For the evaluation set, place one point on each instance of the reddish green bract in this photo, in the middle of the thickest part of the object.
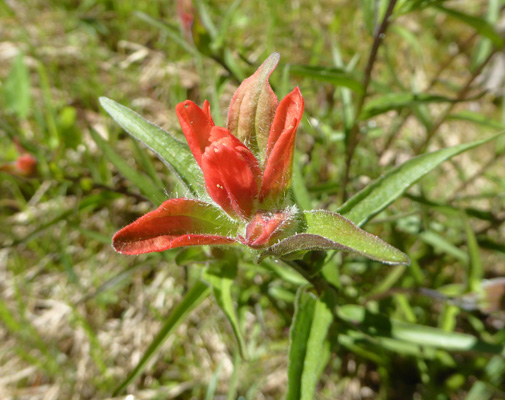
(247, 169)
(248, 183)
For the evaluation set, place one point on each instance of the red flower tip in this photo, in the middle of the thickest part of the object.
(196, 124)
(267, 228)
(26, 164)
(186, 14)
(278, 165)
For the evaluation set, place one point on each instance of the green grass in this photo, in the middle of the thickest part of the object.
(76, 317)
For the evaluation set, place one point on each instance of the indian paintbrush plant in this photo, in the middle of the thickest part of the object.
(247, 169)
(238, 180)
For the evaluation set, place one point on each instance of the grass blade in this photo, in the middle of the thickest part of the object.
(483, 27)
(193, 298)
(335, 76)
(395, 101)
(221, 288)
(299, 334)
(307, 335)
(380, 326)
(314, 357)
(16, 88)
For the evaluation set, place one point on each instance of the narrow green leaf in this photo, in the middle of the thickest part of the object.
(211, 389)
(483, 27)
(326, 230)
(447, 321)
(299, 334)
(379, 194)
(409, 37)
(380, 326)
(204, 15)
(175, 154)
(321, 321)
(484, 46)
(403, 304)
(345, 94)
(94, 235)
(369, 12)
(234, 379)
(351, 343)
(335, 76)
(440, 243)
(454, 211)
(286, 274)
(222, 282)
(144, 183)
(53, 134)
(16, 88)
(307, 337)
(388, 282)
(115, 282)
(395, 101)
(477, 118)
(193, 298)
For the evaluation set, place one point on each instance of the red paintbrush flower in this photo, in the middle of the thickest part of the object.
(25, 165)
(247, 169)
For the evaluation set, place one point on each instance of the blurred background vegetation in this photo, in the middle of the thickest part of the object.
(75, 317)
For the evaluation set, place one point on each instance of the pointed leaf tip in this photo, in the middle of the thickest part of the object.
(326, 230)
(271, 62)
(253, 105)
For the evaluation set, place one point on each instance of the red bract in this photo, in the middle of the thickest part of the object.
(25, 165)
(247, 174)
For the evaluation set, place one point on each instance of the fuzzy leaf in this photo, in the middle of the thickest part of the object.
(253, 105)
(175, 223)
(379, 194)
(174, 154)
(326, 230)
